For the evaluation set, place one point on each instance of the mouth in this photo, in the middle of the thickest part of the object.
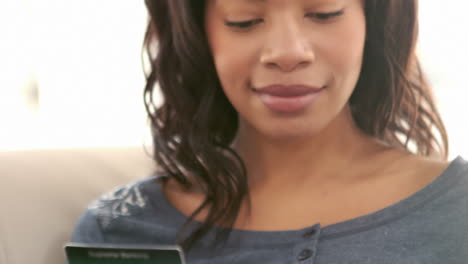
(288, 90)
(288, 99)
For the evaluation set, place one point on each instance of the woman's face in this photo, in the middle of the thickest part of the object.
(287, 66)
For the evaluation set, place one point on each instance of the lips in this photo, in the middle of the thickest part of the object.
(287, 90)
(288, 99)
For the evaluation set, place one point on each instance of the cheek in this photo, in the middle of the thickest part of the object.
(232, 62)
(233, 55)
(345, 50)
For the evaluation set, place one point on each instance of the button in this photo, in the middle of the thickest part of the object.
(309, 233)
(305, 254)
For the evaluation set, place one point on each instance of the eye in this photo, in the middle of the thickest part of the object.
(242, 24)
(325, 16)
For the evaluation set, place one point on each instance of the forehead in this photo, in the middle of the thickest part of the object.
(272, 2)
(268, 1)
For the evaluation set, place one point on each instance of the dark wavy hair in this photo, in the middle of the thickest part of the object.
(193, 129)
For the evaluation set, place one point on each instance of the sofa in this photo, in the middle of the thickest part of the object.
(43, 193)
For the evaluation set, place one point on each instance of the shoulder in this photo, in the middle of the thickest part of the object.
(426, 170)
(124, 204)
(436, 167)
(126, 201)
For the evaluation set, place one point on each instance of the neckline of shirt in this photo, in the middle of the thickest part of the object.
(442, 183)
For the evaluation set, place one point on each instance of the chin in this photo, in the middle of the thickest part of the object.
(292, 133)
(284, 129)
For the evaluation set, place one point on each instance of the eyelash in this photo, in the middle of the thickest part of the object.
(249, 23)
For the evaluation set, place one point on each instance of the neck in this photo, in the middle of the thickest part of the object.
(275, 164)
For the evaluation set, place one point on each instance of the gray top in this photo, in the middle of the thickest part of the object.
(430, 226)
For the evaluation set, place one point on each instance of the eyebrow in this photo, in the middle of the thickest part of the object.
(250, 1)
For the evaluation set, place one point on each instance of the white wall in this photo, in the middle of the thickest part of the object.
(443, 51)
(85, 58)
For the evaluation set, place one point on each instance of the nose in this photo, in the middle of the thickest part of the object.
(287, 48)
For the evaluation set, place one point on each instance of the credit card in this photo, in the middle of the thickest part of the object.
(78, 253)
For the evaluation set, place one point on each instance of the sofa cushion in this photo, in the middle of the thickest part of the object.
(43, 193)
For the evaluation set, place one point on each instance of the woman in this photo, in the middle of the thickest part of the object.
(291, 131)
